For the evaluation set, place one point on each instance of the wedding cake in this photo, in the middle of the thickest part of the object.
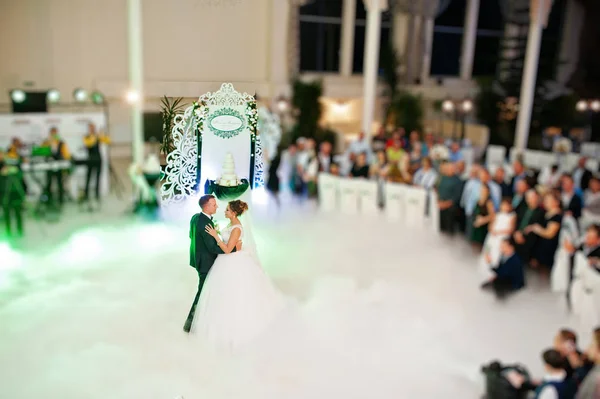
(228, 176)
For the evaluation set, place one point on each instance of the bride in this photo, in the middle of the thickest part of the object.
(238, 301)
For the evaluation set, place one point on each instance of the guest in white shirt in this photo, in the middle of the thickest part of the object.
(426, 176)
(549, 176)
(359, 146)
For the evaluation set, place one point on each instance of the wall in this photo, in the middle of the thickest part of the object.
(187, 51)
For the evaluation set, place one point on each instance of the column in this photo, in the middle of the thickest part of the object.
(371, 61)
(469, 38)
(532, 56)
(401, 21)
(347, 41)
(428, 25)
(279, 48)
(136, 77)
(569, 47)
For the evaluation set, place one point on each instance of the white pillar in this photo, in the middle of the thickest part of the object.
(532, 56)
(347, 41)
(401, 22)
(371, 61)
(569, 47)
(428, 25)
(469, 39)
(279, 48)
(136, 77)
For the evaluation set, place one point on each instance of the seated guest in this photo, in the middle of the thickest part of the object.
(582, 175)
(518, 202)
(572, 201)
(499, 179)
(426, 176)
(556, 384)
(509, 275)
(360, 167)
(484, 215)
(590, 387)
(533, 215)
(334, 169)
(547, 234)
(448, 190)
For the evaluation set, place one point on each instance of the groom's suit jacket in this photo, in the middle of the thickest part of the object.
(203, 247)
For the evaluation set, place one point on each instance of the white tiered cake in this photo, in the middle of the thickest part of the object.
(228, 176)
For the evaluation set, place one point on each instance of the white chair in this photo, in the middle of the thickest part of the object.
(434, 211)
(414, 205)
(591, 150)
(530, 159)
(328, 188)
(577, 291)
(367, 196)
(559, 279)
(592, 164)
(495, 154)
(348, 196)
(394, 200)
(590, 298)
(546, 159)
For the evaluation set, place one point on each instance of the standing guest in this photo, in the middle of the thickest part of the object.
(590, 387)
(395, 152)
(448, 190)
(468, 200)
(582, 175)
(533, 215)
(484, 215)
(325, 157)
(273, 181)
(426, 176)
(379, 140)
(519, 203)
(359, 146)
(556, 384)
(547, 234)
(455, 152)
(499, 179)
(12, 192)
(571, 200)
(519, 173)
(591, 204)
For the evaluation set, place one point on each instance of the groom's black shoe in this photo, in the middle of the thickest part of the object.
(187, 326)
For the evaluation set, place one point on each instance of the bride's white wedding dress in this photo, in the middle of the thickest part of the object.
(238, 300)
(504, 222)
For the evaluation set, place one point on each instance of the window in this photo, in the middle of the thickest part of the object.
(320, 36)
(360, 31)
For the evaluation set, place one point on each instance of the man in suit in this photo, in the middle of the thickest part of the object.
(582, 175)
(509, 275)
(572, 200)
(203, 248)
(518, 202)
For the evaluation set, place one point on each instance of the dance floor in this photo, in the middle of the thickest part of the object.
(380, 312)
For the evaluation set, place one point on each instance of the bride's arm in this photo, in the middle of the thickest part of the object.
(231, 244)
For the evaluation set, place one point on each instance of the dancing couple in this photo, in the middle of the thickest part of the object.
(235, 300)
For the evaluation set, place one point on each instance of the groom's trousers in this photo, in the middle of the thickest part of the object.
(188, 323)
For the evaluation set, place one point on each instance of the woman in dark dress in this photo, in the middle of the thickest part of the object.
(273, 180)
(483, 216)
(547, 231)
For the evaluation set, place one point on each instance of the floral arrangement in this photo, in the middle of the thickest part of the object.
(200, 111)
(252, 114)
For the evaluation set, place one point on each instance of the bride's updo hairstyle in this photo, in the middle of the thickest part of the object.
(238, 207)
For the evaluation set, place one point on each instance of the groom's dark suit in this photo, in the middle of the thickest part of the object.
(203, 252)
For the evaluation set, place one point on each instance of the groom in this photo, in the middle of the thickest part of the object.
(203, 248)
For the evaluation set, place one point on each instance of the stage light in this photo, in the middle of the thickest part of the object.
(80, 95)
(448, 106)
(282, 104)
(132, 96)
(18, 96)
(595, 105)
(53, 96)
(467, 105)
(581, 106)
(97, 98)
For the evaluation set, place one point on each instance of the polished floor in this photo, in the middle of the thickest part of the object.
(93, 308)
